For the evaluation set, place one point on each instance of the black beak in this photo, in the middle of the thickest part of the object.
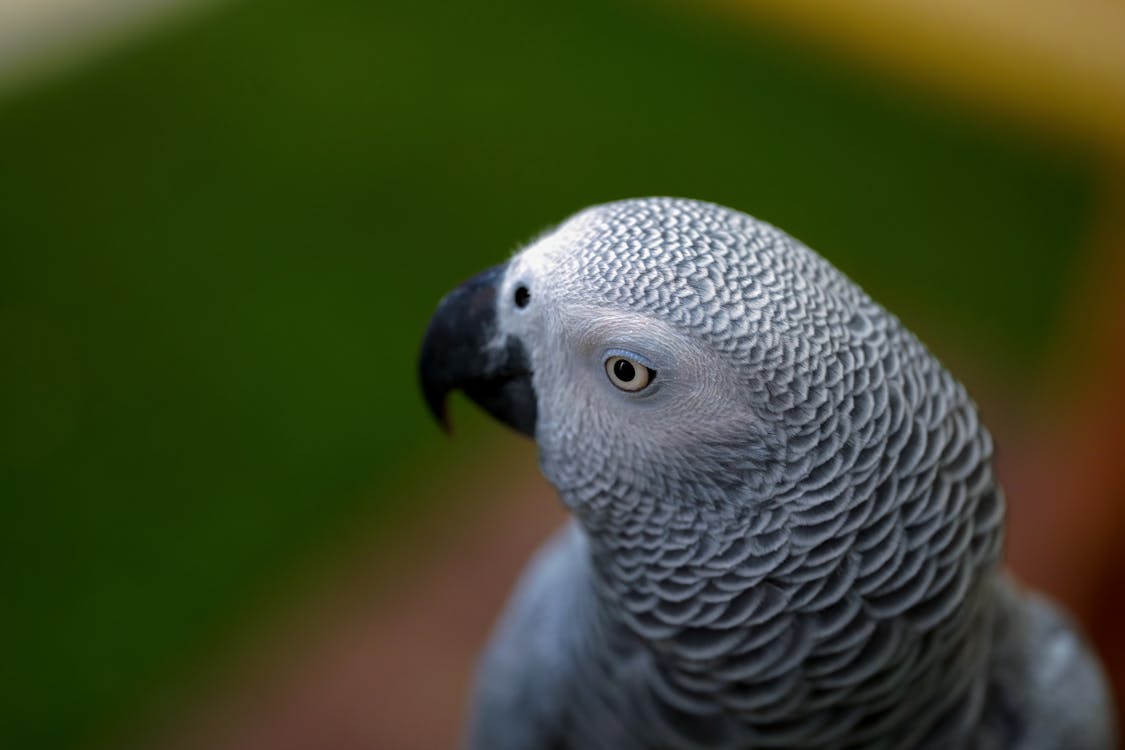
(461, 350)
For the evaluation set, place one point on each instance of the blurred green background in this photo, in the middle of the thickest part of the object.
(220, 243)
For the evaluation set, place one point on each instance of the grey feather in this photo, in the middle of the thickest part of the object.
(792, 540)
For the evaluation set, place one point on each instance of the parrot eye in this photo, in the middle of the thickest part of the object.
(627, 374)
(522, 296)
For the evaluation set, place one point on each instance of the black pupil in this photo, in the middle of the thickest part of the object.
(523, 296)
(624, 370)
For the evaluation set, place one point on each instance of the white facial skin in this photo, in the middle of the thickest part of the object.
(588, 425)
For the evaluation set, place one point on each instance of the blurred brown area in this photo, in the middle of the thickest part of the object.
(1064, 472)
(383, 656)
(1055, 67)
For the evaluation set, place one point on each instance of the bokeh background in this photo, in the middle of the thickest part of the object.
(226, 520)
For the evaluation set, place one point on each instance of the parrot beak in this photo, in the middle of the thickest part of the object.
(461, 350)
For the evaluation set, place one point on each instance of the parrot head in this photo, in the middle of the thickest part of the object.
(668, 348)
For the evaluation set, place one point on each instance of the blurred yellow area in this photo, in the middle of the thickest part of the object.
(1056, 65)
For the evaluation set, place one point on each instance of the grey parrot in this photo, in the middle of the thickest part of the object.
(786, 531)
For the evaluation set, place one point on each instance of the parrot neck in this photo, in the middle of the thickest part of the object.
(882, 619)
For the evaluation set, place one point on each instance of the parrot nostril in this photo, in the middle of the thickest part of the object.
(523, 296)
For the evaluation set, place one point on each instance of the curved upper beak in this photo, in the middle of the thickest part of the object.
(462, 349)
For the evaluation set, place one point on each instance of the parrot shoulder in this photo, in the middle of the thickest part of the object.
(1046, 688)
(525, 674)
